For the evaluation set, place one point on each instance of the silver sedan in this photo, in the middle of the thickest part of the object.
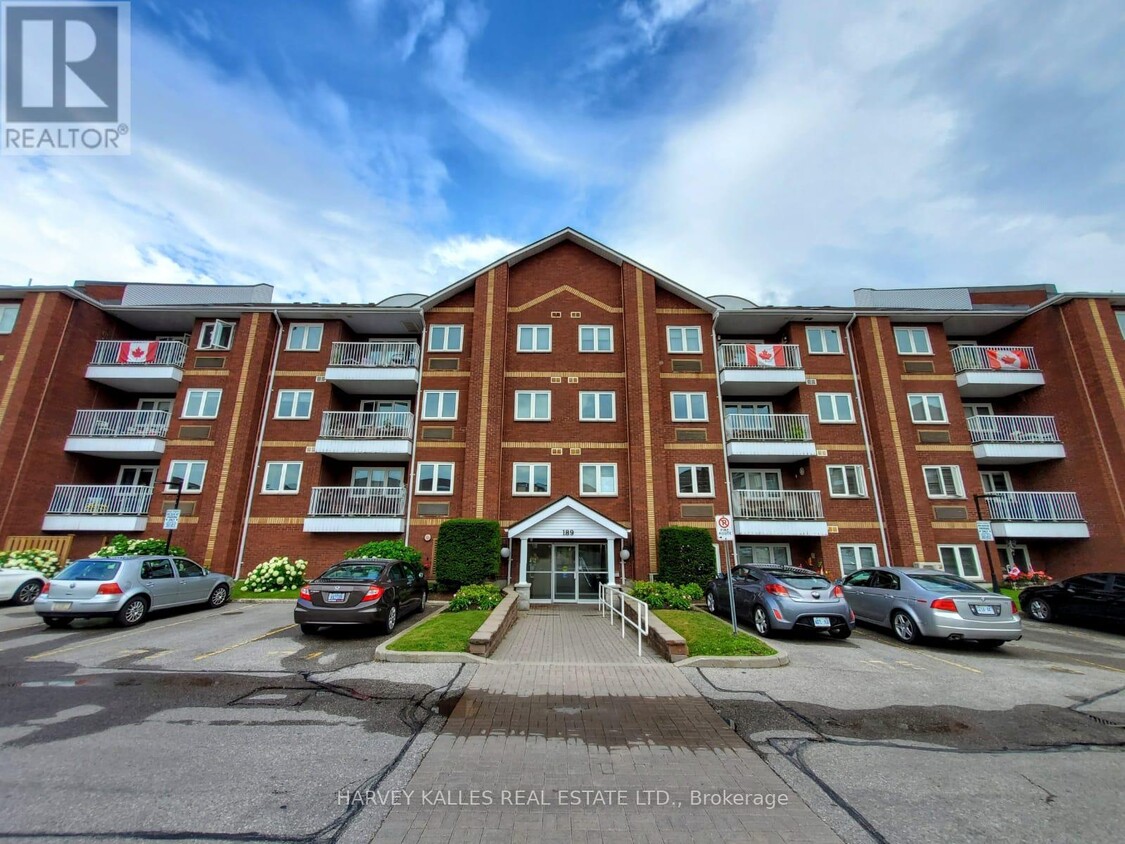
(922, 603)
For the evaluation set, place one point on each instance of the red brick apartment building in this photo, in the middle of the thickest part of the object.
(582, 400)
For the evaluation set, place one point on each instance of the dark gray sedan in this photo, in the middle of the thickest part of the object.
(368, 592)
(777, 598)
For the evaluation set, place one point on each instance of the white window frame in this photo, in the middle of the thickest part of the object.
(442, 400)
(958, 552)
(134, 467)
(927, 408)
(856, 548)
(307, 327)
(445, 345)
(536, 395)
(852, 476)
(911, 349)
(597, 417)
(955, 479)
(208, 332)
(598, 469)
(435, 465)
(535, 332)
(688, 407)
(684, 331)
(281, 394)
(8, 316)
(978, 408)
(204, 393)
(695, 467)
(188, 488)
(530, 467)
(371, 470)
(824, 331)
(282, 474)
(597, 330)
(989, 485)
(835, 421)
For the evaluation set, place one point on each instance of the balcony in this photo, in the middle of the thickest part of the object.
(138, 366)
(112, 509)
(1036, 515)
(768, 437)
(759, 369)
(346, 509)
(356, 435)
(1001, 440)
(374, 368)
(995, 371)
(768, 512)
(119, 434)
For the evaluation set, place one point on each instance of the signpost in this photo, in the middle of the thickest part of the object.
(171, 519)
(984, 531)
(172, 516)
(724, 532)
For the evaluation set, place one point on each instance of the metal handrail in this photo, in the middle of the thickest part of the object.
(759, 356)
(116, 353)
(1013, 429)
(613, 598)
(380, 354)
(978, 358)
(358, 501)
(1033, 507)
(780, 504)
(84, 500)
(769, 427)
(364, 425)
(120, 423)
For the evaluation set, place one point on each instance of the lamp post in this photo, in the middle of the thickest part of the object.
(987, 549)
(506, 554)
(178, 483)
(624, 558)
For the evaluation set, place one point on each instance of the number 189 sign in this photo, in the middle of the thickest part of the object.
(724, 528)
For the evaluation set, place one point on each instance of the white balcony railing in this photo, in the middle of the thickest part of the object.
(1034, 507)
(1013, 429)
(759, 356)
(788, 505)
(139, 353)
(994, 359)
(100, 501)
(120, 423)
(353, 502)
(364, 425)
(768, 427)
(375, 354)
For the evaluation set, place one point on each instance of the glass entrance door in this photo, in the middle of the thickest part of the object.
(565, 568)
(592, 571)
(566, 572)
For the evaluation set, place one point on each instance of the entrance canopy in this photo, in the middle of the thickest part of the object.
(568, 518)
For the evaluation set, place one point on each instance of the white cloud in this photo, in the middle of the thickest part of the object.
(465, 254)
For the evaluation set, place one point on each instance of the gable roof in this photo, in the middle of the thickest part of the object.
(565, 503)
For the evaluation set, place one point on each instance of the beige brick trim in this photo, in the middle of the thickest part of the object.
(927, 377)
(21, 355)
(486, 381)
(960, 448)
(563, 445)
(564, 374)
(287, 443)
(208, 373)
(192, 443)
(276, 520)
(693, 446)
(566, 288)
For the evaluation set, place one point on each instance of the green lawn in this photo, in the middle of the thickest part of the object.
(239, 591)
(446, 631)
(708, 635)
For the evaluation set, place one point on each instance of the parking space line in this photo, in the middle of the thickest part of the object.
(273, 632)
(314, 655)
(924, 653)
(113, 637)
(1096, 664)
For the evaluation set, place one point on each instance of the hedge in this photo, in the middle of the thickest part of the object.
(685, 555)
(385, 549)
(123, 546)
(666, 596)
(467, 551)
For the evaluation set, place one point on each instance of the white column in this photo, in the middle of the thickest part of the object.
(611, 561)
(523, 588)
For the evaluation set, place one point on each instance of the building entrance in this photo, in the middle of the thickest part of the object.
(566, 571)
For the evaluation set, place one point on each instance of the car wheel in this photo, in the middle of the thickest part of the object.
(309, 628)
(711, 608)
(840, 632)
(392, 619)
(1040, 610)
(219, 596)
(990, 644)
(55, 621)
(762, 621)
(904, 628)
(133, 612)
(422, 603)
(27, 593)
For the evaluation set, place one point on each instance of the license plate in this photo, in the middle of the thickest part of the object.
(821, 621)
(59, 606)
(986, 609)
(335, 597)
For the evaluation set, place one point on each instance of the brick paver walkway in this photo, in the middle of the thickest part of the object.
(601, 746)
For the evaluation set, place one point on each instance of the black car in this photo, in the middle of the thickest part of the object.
(1087, 597)
(372, 592)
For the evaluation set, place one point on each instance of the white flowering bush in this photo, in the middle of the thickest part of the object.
(123, 546)
(276, 574)
(40, 560)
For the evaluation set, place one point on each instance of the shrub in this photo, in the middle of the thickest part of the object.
(685, 555)
(123, 546)
(482, 596)
(37, 559)
(276, 574)
(667, 596)
(467, 551)
(386, 549)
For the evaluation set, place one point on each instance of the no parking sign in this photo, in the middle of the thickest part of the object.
(724, 528)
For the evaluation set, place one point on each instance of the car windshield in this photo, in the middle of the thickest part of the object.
(90, 570)
(354, 571)
(945, 583)
(802, 581)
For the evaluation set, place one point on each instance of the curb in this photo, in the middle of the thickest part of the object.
(263, 601)
(778, 660)
(384, 655)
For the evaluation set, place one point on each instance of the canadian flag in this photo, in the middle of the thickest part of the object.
(1007, 359)
(764, 355)
(142, 352)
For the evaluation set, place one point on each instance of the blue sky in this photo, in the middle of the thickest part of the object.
(345, 150)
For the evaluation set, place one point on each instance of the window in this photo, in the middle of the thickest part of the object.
(846, 482)
(294, 404)
(927, 407)
(304, 337)
(533, 338)
(201, 404)
(8, 314)
(978, 409)
(190, 472)
(189, 568)
(823, 341)
(137, 476)
(157, 570)
(835, 408)
(282, 478)
(435, 478)
(685, 340)
(996, 481)
(365, 477)
(943, 482)
(155, 404)
(912, 341)
(597, 407)
(756, 479)
(216, 335)
(856, 557)
(445, 338)
(695, 481)
(595, 338)
(531, 479)
(763, 555)
(598, 478)
(1120, 322)
(439, 404)
(689, 407)
(533, 406)
(960, 560)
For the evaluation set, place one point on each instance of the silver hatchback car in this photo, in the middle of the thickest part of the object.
(128, 588)
(920, 603)
(783, 598)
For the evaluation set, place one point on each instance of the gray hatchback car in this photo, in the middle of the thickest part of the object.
(126, 589)
(776, 598)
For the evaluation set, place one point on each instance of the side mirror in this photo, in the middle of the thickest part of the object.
(839, 581)
(722, 575)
